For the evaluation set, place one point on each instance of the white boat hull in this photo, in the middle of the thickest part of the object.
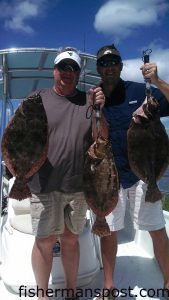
(17, 243)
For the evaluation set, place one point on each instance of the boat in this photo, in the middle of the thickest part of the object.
(137, 275)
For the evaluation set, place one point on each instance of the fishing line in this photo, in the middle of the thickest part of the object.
(146, 59)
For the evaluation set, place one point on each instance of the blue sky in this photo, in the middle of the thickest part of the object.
(133, 25)
(89, 24)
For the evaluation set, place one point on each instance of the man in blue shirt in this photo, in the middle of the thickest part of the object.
(122, 99)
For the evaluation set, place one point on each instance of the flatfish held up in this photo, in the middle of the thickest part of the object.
(25, 144)
(148, 147)
(100, 183)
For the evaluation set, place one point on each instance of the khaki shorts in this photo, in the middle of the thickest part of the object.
(50, 212)
(145, 215)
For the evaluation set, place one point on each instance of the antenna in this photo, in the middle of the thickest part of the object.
(84, 42)
(84, 66)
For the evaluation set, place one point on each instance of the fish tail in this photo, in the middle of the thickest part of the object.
(100, 227)
(153, 194)
(20, 190)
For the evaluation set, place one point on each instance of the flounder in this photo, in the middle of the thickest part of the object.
(101, 182)
(25, 144)
(148, 147)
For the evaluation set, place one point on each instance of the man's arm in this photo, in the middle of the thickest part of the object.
(149, 71)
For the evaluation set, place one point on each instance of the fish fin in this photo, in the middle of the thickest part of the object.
(100, 227)
(153, 194)
(20, 190)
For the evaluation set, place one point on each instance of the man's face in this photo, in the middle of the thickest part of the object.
(67, 73)
(109, 67)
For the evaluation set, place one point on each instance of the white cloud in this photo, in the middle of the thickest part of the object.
(131, 68)
(17, 14)
(119, 18)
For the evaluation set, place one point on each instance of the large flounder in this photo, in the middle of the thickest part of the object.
(25, 144)
(148, 147)
(101, 181)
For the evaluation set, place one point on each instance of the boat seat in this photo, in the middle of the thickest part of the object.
(21, 207)
(21, 219)
(22, 223)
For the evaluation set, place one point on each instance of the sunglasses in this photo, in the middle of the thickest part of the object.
(108, 63)
(65, 67)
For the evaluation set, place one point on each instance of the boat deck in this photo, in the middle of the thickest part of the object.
(137, 275)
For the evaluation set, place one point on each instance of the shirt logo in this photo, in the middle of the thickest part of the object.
(133, 102)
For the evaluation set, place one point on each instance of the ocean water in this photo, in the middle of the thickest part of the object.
(163, 183)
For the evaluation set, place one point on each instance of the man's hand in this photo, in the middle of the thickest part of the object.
(96, 96)
(149, 71)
